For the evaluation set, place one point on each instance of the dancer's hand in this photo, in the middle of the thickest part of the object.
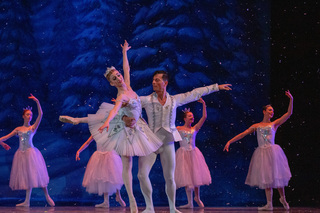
(226, 147)
(33, 98)
(201, 101)
(105, 125)
(289, 94)
(125, 46)
(129, 121)
(225, 87)
(77, 156)
(5, 146)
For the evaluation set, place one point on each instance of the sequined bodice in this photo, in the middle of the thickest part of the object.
(188, 139)
(133, 108)
(25, 140)
(265, 136)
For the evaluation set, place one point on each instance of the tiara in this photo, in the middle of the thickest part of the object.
(28, 108)
(185, 110)
(109, 69)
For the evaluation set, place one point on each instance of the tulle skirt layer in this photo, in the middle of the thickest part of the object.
(137, 141)
(103, 173)
(191, 169)
(268, 168)
(28, 170)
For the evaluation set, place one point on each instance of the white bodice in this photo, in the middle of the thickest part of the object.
(265, 135)
(188, 141)
(133, 108)
(25, 140)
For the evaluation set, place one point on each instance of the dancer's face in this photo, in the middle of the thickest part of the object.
(189, 118)
(27, 116)
(158, 83)
(269, 112)
(116, 79)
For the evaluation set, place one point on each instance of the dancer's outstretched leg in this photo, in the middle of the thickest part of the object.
(71, 120)
(168, 162)
(105, 203)
(119, 199)
(268, 206)
(197, 196)
(127, 180)
(145, 165)
(189, 193)
(283, 198)
(26, 202)
(48, 198)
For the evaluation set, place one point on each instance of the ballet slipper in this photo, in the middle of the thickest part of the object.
(120, 201)
(68, 119)
(102, 205)
(199, 202)
(50, 201)
(24, 204)
(267, 207)
(284, 203)
(187, 206)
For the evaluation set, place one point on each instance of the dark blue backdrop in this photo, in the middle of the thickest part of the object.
(59, 50)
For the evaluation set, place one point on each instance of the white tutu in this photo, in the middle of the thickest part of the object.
(103, 173)
(137, 141)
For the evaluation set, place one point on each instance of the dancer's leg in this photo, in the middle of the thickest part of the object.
(105, 203)
(119, 199)
(269, 206)
(145, 165)
(189, 193)
(197, 196)
(71, 120)
(26, 202)
(127, 180)
(168, 161)
(48, 198)
(283, 198)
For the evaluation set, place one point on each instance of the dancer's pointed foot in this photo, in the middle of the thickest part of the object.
(120, 201)
(174, 211)
(148, 210)
(102, 205)
(187, 206)
(199, 202)
(50, 201)
(133, 206)
(24, 204)
(284, 203)
(68, 119)
(267, 207)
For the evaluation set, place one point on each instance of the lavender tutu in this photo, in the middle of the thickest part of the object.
(28, 167)
(191, 168)
(103, 173)
(269, 165)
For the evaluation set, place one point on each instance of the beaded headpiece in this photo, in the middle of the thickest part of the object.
(185, 110)
(27, 108)
(109, 69)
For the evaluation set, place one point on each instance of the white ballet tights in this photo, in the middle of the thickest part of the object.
(168, 162)
(127, 180)
(26, 202)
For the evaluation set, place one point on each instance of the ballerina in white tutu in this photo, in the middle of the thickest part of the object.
(269, 165)
(136, 140)
(29, 169)
(191, 169)
(103, 174)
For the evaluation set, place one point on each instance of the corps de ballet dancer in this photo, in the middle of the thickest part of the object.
(269, 165)
(191, 168)
(29, 169)
(103, 173)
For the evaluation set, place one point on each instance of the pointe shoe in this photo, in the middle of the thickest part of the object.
(24, 204)
(284, 203)
(102, 205)
(187, 206)
(50, 201)
(133, 207)
(267, 207)
(68, 119)
(199, 202)
(121, 202)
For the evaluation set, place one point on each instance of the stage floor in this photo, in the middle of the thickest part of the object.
(86, 209)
